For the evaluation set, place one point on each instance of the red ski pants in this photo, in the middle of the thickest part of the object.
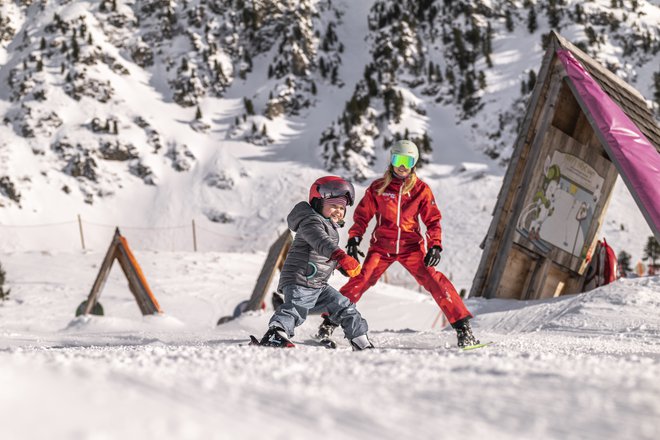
(441, 289)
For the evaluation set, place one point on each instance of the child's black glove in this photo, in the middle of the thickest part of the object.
(352, 247)
(433, 256)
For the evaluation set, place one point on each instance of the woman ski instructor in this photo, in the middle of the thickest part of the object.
(398, 200)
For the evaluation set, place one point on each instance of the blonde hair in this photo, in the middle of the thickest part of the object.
(387, 179)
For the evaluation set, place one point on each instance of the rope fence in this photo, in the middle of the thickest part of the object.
(89, 235)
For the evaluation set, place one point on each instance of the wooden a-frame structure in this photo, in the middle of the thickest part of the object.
(137, 283)
(584, 126)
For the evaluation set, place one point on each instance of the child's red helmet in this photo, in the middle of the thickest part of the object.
(331, 186)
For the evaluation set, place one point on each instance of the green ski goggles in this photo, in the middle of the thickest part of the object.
(400, 159)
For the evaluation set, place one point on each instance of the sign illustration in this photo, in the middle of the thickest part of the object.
(562, 206)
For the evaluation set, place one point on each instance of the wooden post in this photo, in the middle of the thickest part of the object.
(80, 228)
(194, 236)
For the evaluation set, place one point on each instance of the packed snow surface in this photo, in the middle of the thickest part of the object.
(575, 367)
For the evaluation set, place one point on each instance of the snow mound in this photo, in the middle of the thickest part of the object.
(620, 308)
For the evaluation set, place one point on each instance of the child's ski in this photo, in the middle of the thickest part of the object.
(327, 343)
(255, 341)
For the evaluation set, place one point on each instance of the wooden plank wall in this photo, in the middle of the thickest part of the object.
(495, 267)
(557, 272)
(484, 283)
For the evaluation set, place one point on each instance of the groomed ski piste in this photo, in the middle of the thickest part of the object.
(575, 367)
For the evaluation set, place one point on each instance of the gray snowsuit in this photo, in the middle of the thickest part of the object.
(305, 274)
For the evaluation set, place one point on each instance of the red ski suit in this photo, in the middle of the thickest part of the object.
(397, 237)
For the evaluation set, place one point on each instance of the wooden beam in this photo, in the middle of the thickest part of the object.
(102, 276)
(136, 280)
(505, 242)
(274, 261)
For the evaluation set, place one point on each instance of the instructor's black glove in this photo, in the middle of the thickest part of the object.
(432, 256)
(352, 247)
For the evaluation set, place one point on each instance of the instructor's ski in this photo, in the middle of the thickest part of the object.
(476, 346)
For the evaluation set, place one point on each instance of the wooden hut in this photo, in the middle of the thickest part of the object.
(584, 126)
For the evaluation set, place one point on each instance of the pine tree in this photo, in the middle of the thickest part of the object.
(578, 13)
(652, 251)
(482, 80)
(531, 81)
(198, 114)
(461, 52)
(656, 84)
(42, 45)
(553, 14)
(426, 143)
(398, 107)
(4, 294)
(624, 262)
(532, 25)
(249, 106)
(75, 49)
(509, 21)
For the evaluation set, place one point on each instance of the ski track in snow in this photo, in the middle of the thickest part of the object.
(572, 367)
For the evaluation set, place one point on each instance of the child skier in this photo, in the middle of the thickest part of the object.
(312, 258)
(398, 200)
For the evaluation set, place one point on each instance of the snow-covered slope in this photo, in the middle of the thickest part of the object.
(573, 367)
(150, 115)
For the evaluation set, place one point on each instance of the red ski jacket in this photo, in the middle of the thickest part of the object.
(397, 217)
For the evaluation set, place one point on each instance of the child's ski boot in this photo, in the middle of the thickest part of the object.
(274, 337)
(361, 343)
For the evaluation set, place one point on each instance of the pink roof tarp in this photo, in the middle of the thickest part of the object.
(634, 156)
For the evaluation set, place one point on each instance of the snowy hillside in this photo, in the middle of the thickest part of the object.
(152, 114)
(573, 367)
